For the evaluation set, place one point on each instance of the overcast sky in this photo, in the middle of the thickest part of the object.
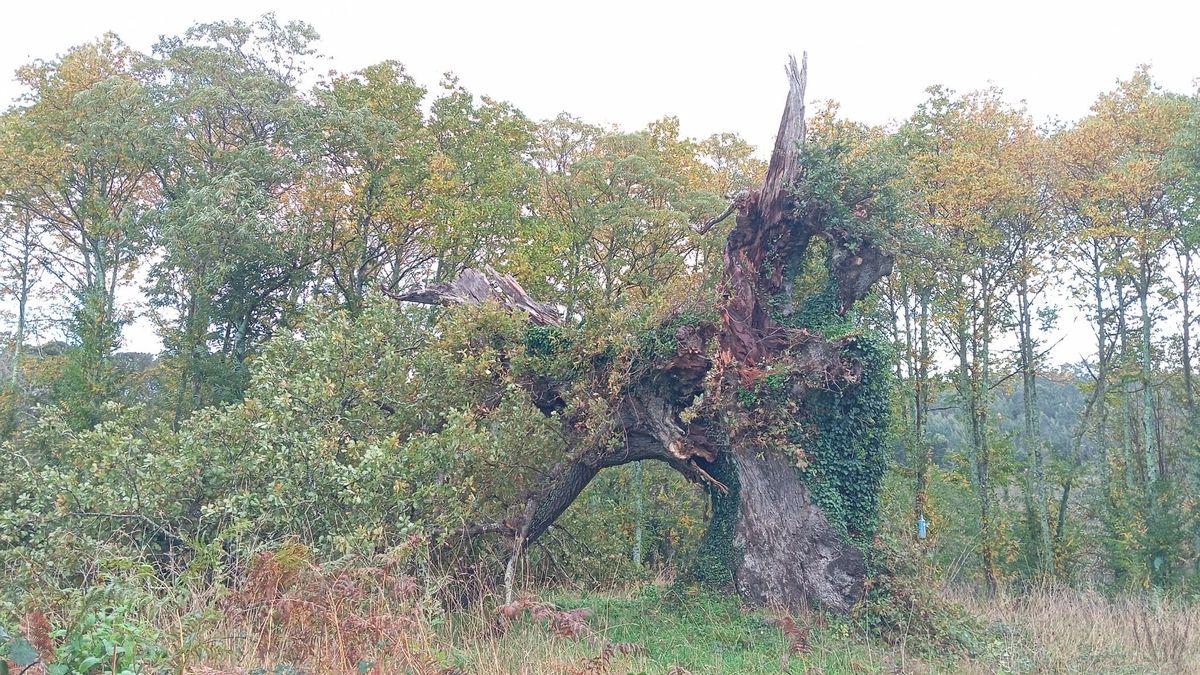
(717, 66)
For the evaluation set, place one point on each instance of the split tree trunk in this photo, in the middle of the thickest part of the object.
(779, 547)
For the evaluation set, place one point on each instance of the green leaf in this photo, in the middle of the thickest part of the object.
(22, 652)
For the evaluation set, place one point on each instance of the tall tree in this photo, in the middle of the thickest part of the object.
(234, 250)
(619, 209)
(20, 236)
(1138, 123)
(1114, 186)
(76, 161)
(480, 180)
(368, 189)
(1183, 170)
(1028, 224)
(967, 184)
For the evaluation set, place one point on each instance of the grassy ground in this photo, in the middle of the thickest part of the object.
(1042, 632)
(656, 629)
(296, 618)
(1069, 631)
(667, 633)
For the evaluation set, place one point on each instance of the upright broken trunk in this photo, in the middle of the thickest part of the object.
(788, 550)
(781, 420)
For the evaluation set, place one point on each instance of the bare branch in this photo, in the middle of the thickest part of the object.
(736, 202)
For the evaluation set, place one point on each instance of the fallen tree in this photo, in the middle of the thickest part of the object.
(774, 401)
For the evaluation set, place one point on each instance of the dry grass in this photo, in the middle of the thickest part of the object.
(1071, 631)
(463, 642)
(293, 616)
(324, 621)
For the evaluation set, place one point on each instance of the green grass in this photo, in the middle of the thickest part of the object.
(698, 632)
(705, 633)
(676, 630)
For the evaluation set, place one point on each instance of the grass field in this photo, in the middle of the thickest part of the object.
(661, 629)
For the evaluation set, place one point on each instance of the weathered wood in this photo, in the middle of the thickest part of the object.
(792, 555)
(737, 201)
(785, 161)
(474, 287)
(764, 224)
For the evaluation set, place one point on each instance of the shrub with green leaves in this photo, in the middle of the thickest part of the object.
(356, 433)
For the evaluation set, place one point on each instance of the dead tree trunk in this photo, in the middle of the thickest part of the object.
(769, 537)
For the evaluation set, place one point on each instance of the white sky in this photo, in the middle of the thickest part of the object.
(717, 66)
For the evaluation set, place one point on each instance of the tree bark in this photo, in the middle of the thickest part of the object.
(791, 554)
(921, 390)
(1187, 281)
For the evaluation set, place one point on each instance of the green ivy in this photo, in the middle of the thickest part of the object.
(847, 453)
(659, 341)
(717, 558)
(842, 430)
(546, 340)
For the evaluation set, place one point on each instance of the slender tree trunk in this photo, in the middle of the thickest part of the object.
(1127, 395)
(1097, 404)
(1033, 437)
(639, 510)
(25, 263)
(972, 385)
(921, 406)
(1102, 350)
(912, 366)
(983, 442)
(187, 365)
(19, 337)
(1147, 380)
(1189, 388)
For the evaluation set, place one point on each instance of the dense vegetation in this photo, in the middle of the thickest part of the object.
(310, 475)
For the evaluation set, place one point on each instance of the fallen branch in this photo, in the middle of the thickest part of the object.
(475, 287)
